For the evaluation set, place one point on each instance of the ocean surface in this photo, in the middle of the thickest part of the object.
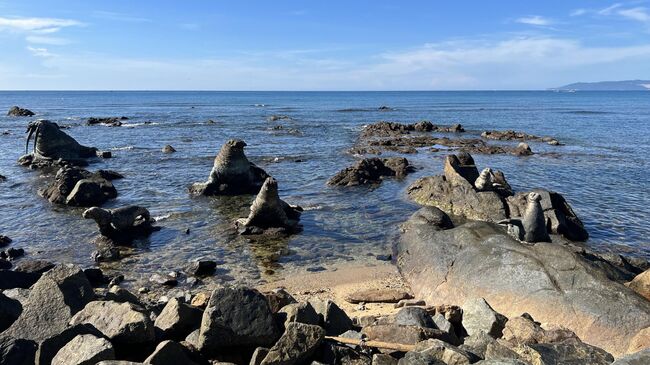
(602, 170)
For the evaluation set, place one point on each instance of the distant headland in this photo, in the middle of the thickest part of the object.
(627, 85)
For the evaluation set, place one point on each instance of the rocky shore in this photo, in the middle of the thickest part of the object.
(480, 274)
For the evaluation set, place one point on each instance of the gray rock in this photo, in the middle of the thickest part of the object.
(84, 350)
(53, 300)
(296, 345)
(383, 359)
(638, 358)
(278, 298)
(177, 319)
(478, 316)
(237, 317)
(332, 318)
(406, 334)
(10, 310)
(16, 351)
(49, 347)
(121, 295)
(414, 316)
(258, 355)
(201, 268)
(372, 171)
(567, 352)
(443, 323)
(501, 362)
(418, 358)
(169, 353)
(448, 354)
(16, 111)
(33, 266)
(122, 323)
(193, 338)
(477, 343)
(548, 280)
(301, 312)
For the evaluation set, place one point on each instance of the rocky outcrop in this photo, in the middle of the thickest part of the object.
(122, 225)
(550, 281)
(387, 129)
(78, 187)
(109, 121)
(510, 135)
(371, 171)
(232, 173)
(269, 213)
(16, 111)
(462, 192)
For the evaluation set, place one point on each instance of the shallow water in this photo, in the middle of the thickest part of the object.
(602, 170)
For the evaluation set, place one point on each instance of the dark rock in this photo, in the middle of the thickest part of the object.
(201, 268)
(332, 318)
(444, 352)
(258, 355)
(371, 171)
(510, 135)
(406, 334)
(34, 266)
(567, 352)
(5, 264)
(106, 251)
(110, 121)
(53, 300)
(237, 317)
(10, 310)
(12, 279)
(177, 320)
(13, 253)
(109, 175)
(479, 259)
(16, 111)
(414, 316)
(169, 353)
(95, 276)
(122, 323)
(84, 350)
(16, 351)
(296, 345)
(4, 240)
(301, 312)
(417, 358)
(278, 298)
(434, 217)
(164, 280)
(383, 359)
(121, 295)
(78, 187)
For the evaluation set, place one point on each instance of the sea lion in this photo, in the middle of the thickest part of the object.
(50, 142)
(269, 211)
(534, 222)
(122, 224)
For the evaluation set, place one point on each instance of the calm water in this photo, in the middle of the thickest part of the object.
(602, 170)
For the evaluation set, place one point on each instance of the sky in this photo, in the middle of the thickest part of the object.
(320, 45)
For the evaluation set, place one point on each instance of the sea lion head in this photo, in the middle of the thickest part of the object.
(101, 216)
(533, 197)
(235, 144)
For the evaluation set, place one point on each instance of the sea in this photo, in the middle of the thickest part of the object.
(602, 169)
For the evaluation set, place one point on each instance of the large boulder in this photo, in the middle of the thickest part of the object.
(16, 351)
(84, 350)
(78, 187)
(550, 281)
(296, 345)
(10, 310)
(637, 358)
(331, 317)
(177, 319)
(641, 284)
(371, 171)
(232, 173)
(16, 111)
(53, 300)
(237, 317)
(478, 317)
(169, 353)
(122, 323)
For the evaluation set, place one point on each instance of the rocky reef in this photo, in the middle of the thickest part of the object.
(16, 111)
(371, 171)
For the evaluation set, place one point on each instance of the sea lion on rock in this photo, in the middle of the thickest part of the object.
(232, 173)
(493, 180)
(532, 226)
(268, 211)
(124, 224)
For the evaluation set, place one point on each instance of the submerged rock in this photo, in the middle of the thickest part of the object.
(232, 173)
(78, 187)
(510, 135)
(548, 280)
(109, 121)
(270, 213)
(16, 111)
(371, 171)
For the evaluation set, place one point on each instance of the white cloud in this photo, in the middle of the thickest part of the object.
(579, 12)
(37, 25)
(639, 13)
(610, 9)
(40, 52)
(54, 41)
(534, 20)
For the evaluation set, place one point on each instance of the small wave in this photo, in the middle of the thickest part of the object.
(313, 207)
(162, 217)
(125, 148)
(133, 125)
(585, 112)
(349, 110)
(260, 105)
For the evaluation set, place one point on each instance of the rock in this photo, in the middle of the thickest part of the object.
(278, 298)
(106, 250)
(301, 312)
(4, 240)
(10, 310)
(434, 217)
(444, 352)
(169, 353)
(51, 143)
(109, 175)
(637, 358)
(442, 323)
(53, 300)
(410, 303)
(78, 187)
(5, 264)
(477, 343)
(498, 350)
(258, 355)
(510, 135)
(168, 149)
(383, 359)
(16, 351)
(201, 268)
(269, 212)
(13, 253)
(559, 215)
(641, 284)
(405, 334)
(232, 173)
(193, 338)
(479, 316)
(201, 300)
(392, 129)
(33, 266)
(377, 296)
(414, 316)
(640, 341)
(237, 317)
(522, 330)
(95, 276)
(109, 121)
(332, 318)
(501, 362)
(16, 111)
(567, 352)
(13, 279)
(384, 108)
(84, 350)
(122, 225)
(177, 319)
(164, 280)
(548, 280)
(49, 347)
(123, 323)
(371, 171)
(417, 358)
(121, 295)
(296, 345)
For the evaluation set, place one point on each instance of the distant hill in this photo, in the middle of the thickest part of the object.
(628, 85)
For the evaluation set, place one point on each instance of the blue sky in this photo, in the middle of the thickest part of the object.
(320, 45)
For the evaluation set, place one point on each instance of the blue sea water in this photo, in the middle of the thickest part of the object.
(602, 170)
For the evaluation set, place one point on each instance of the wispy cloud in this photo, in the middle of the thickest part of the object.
(535, 20)
(609, 10)
(40, 52)
(120, 17)
(639, 13)
(579, 12)
(54, 41)
(36, 25)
